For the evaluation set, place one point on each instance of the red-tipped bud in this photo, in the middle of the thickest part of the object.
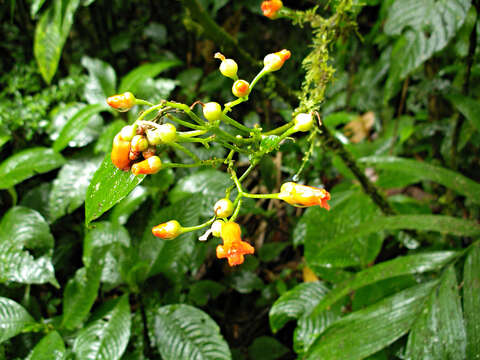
(167, 231)
(302, 195)
(139, 143)
(152, 165)
(122, 102)
(120, 153)
(270, 8)
(273, 62)
(212, 111)
(241, 88)
(223, 208)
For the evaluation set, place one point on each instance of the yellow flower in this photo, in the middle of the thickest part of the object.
(233, 247)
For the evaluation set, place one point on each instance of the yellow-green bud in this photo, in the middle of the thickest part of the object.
(303, 122)
(223, 208)
(212, 111)
(168, 133)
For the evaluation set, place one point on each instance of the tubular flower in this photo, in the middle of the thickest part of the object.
(274, 61)
(122, 102)
(270, 8)
(167, 231)
(120, 153)
(233, 247)
(150, 166)
(302, 195)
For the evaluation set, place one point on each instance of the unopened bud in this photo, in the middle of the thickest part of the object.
(139, 143)
(223, 208)
(122, 102)
(303, 122)
(167, 231)
(212, 111)
(241, 88)
(152, 165)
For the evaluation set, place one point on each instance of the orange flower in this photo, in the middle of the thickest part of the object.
(302, 195)
(271, 7)
(233, 247)
(122, 102)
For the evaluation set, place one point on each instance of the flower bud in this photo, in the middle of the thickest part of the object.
(120, 153)
(241, 88)
(167, 132)
(216, 228)
(223, 208)
(273, 62)
(152, 165)
(212, 111)
(228, 67)
(302, 195)
(128, 132)
(303, 122)
(122, 102)
(149, 152)
(139, 143)
(167, 231)
(270, 8)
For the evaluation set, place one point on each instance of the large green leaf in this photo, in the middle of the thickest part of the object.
(427, 28)
(325, 228)
(471, 302)
(211, 184)
(27, 163)
(50, 34)
(404, 265)
(128, 205)
(439, 332)
(107, 337)
(22, 228)
(62, 114)
(134, 79)
(101, 80)
(108, 186)
(423, 171)
(80, 294)
(76, 124)
(113, 239)
(470, 108)
(70, 186)
(13, 319)
(364, 332)
(160, 255)
(293, 304)
(184, 332)
(51, 347)
(267, 348)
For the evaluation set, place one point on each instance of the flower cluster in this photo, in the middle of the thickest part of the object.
(135, 148)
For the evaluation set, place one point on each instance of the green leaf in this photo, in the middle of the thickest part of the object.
(428, 26)
(51, 347)
(70, 186)
(13, 319)
(439, 332)
(244, 281)
(35, 7)
(403, 265)
(105, 140)
(108, 186)
(363, 333)
(107, 337)
(37, 199)
(80, 294)
(471, 302)
(20, 229)
(184, 332)
(422, 171)
(267, 348)
(113, 239)
(50, 34)
(28, 163)
(323, 246)
(160, 255)
(101, 80)
(134, 79)
(271, 251)
(295, 303)
(470, 108)
(210, 184)
(76, 124)
(61, 115)
(122, 211)
(202, 291)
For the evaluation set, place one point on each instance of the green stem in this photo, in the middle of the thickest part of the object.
(189, 134)
(238, 202)
(210, 162)
(185, 150)
(184, 123)
(258, 77)
(198, 227)
(306, 157)
(280, 129)
(260, 196)
(13, 195)
(186, 109)
(228, 106)
(143, 102)
(236, 124)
